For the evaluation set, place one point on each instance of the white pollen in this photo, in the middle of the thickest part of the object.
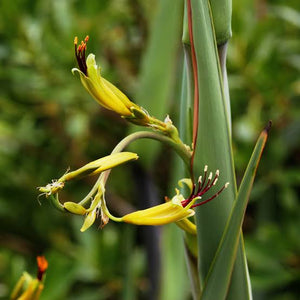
(210, 176)
(217, 172)
(205, 168)
(200, 179)
(226, 184)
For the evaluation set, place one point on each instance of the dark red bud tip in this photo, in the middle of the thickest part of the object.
(268, 127)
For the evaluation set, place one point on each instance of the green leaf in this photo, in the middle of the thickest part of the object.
(213, 148)
(218, 279)
(158, 68)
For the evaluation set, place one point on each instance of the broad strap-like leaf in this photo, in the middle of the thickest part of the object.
(213, 148)
(218, 279)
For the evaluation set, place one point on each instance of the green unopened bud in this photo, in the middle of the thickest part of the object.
(75, 208)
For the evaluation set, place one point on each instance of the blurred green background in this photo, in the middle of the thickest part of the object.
(49, 123)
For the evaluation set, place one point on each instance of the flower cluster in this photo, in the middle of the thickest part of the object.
(177, 209)
(173, 210)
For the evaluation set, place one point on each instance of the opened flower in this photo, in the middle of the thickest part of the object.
(29, 287)
(169, 212)
(178, 208)
(110, 97)
(105, 93)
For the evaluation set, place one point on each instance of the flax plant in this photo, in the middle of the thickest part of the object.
(207, 205)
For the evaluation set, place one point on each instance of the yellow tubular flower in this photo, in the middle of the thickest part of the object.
(29, 288)
(97, 166)
(105, 93)
(169, 212)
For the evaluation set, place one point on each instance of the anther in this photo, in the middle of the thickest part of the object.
(204, 185)
(80, 54)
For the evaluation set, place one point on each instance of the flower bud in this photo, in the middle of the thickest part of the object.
(75, 208)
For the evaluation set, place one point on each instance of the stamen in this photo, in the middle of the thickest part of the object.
(216, 177)
(205, 175)
(200, 179)
(204, 185)
(80, 54)
(207, 187)
(212, 197)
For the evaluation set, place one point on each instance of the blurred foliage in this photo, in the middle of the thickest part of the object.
(49, 123)
(264, 67)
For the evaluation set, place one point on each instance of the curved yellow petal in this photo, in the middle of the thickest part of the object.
(100, 165)
(162, 214)
(88, 221)
(186, 181)
(104, 92)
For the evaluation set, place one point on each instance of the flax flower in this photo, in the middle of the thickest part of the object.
(104, 92)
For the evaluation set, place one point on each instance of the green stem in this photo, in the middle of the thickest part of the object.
(177, 145)
(106, 212)
(55, 202)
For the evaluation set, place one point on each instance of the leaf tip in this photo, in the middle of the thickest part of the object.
(268, 127)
